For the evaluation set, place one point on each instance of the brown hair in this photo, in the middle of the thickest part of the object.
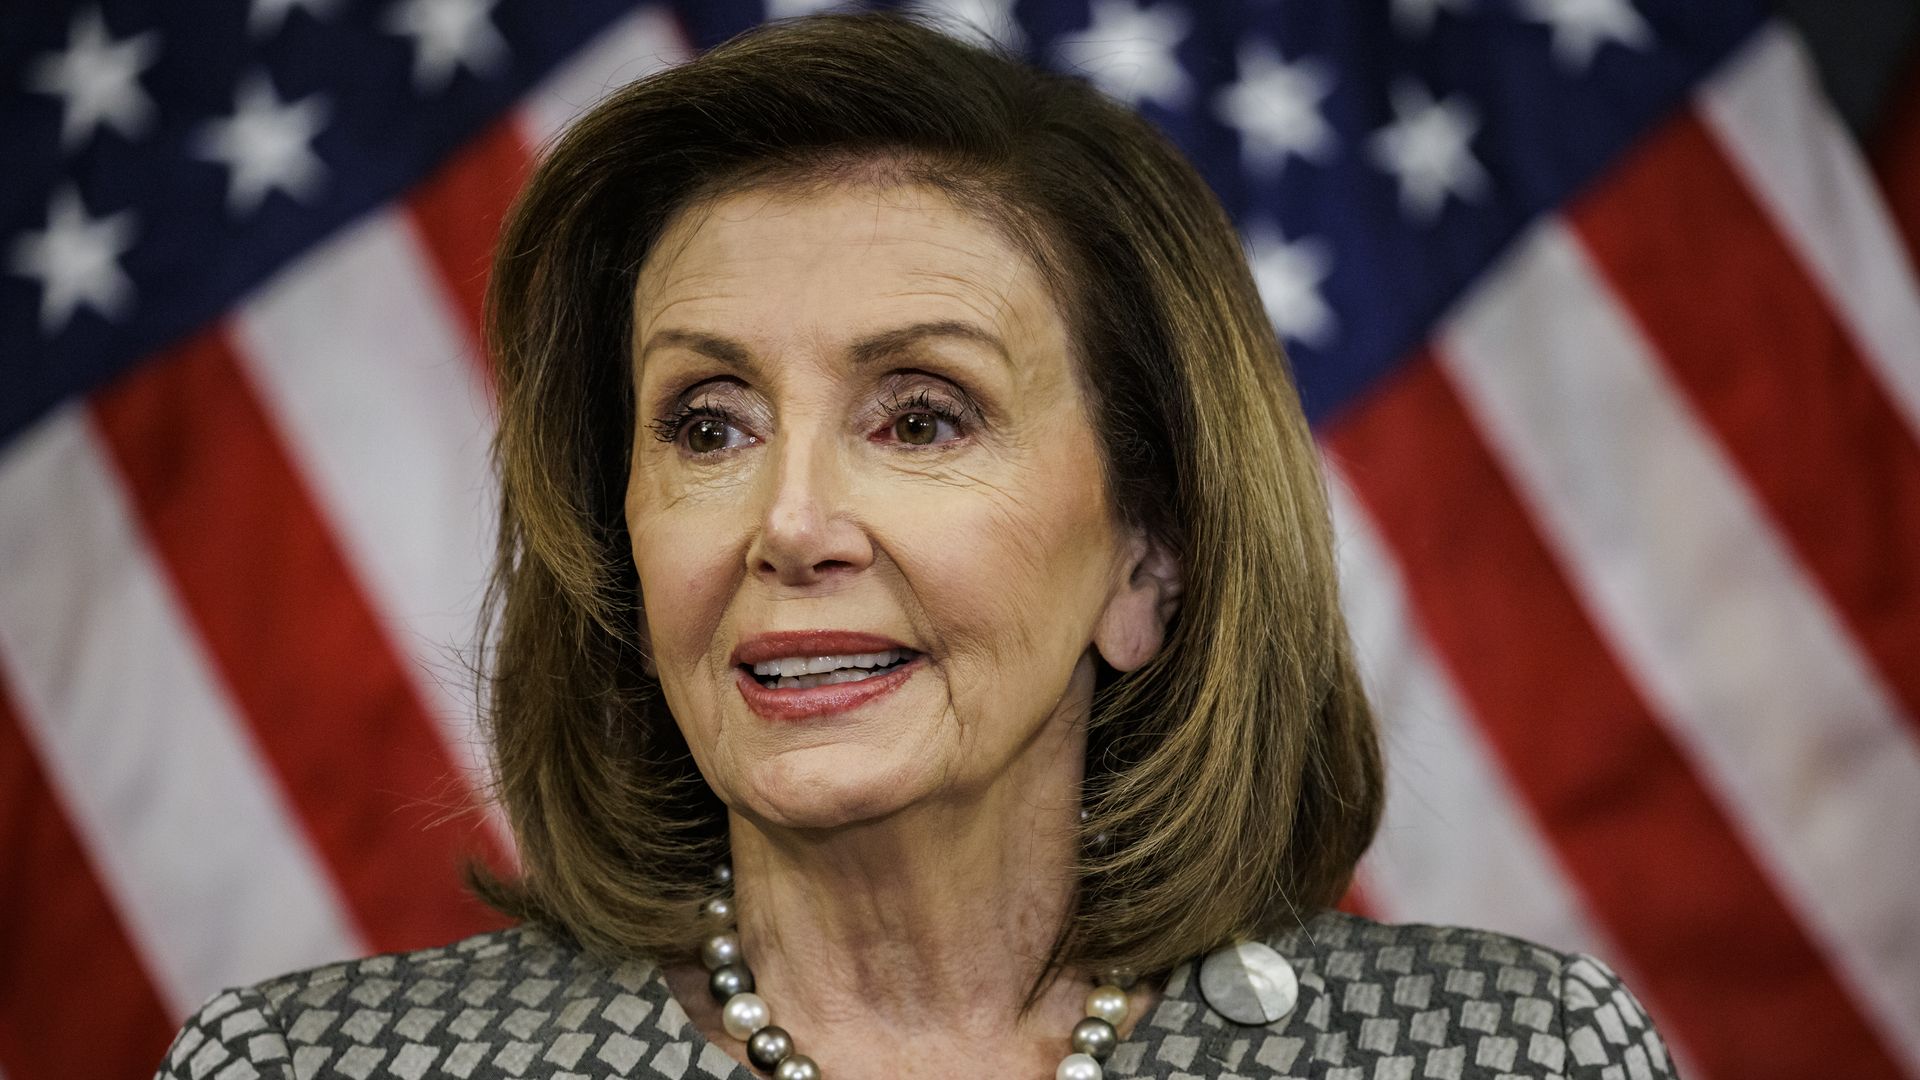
(1236, 775)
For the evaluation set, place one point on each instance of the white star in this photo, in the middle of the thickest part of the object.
(1289, 274)
(1276, 108)
(1426, 149)
(1128, 52)
(1580, 27)
(99, 78)
(77, 260)
(448, 34)
(264, 145)
(1415, 17)
(980, 20)
(265, 17)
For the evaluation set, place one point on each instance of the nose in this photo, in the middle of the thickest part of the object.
(808, 530)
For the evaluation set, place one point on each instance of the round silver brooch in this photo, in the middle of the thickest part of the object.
(1249, 983)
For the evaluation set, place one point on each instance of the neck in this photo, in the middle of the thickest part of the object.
(915, 938)
(939, 917)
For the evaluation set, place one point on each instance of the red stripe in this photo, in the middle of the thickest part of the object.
(1896, 156)
(331, 708)
(459, 209)
(72, 988)
(1748, 336)
(1717, 954)
(1356, 902)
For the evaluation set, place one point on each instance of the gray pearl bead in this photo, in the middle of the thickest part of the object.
(719, 951)
(723, 873)
(719, 909)
(797, 1067)
(1121, 977)
(728, 981)
(1095, 1038)
(769, 1046)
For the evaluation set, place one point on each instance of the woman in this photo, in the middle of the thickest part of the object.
(917, 616)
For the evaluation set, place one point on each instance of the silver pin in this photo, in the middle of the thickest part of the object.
(1248, 983)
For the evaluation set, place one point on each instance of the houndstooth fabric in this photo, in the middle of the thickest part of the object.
(1377, 1002)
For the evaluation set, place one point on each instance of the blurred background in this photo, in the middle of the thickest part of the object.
(1605, 312)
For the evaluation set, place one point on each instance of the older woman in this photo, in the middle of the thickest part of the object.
(917, 618)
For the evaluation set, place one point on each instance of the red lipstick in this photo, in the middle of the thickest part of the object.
(774, 646)
(802, 703)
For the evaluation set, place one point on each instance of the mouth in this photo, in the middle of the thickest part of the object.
(806, 694)
(828, 671)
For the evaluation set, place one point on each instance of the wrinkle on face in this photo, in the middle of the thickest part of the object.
(995, 556)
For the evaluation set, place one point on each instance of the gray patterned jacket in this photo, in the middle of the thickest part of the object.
(1377, 1002)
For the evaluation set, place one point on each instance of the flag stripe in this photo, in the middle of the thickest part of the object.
(1896, 157)
(358, 359)
(1453, 821)
(1767, 109)
(459, 210)
(1725, 964)
(1810, 430)
(72, 988)
(1356, 900)
(1759, 682)
(644, 41)
(373, 782)
(213, 878)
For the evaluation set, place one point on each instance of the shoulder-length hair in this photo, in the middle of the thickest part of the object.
(1235, 777)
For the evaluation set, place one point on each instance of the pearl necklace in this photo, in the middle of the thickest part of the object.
(746, 1016)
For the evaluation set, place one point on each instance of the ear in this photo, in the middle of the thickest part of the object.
(1134, 624)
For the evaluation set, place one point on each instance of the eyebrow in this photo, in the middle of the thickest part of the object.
(866, 352)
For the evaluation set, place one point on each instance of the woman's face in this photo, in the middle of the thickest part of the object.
(858, 414)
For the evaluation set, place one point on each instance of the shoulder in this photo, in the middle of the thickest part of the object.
(505, 998)
(1418, 1000)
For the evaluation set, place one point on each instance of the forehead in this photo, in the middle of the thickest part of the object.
(769, 260)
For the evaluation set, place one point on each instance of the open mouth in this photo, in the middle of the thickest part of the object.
(850, 669)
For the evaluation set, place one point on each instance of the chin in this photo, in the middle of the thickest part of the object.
(829, 788)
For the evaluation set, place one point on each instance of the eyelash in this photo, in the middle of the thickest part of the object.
(669, 428)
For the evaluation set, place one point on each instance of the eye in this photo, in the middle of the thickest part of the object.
(705, 429)
(917, 420)
(707, 434)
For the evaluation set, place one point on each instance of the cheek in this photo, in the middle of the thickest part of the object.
(683, 565)
(1010, 573)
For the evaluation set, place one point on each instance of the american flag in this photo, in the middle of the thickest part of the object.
(1610, 338)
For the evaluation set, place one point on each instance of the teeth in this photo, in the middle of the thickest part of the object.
(830, 678)
(795, 666)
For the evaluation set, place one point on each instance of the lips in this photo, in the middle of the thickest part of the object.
(816, 701)
(785, 643)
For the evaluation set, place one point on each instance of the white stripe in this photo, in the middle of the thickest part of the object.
(1767, 110)
(638, 44)
(191, 836)
(374, 385)
(1458, 844)
(1728, 642)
